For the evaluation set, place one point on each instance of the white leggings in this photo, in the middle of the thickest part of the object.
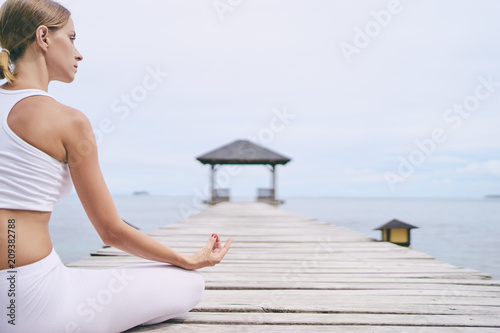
(52, 298)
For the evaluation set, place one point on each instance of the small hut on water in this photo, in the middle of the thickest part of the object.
(243, 152)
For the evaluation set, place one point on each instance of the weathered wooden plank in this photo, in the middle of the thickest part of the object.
(251, 264)
(491, 321)
(323, 300)
(283, 270)
(276, 246)
(241, 328)
(311, 285)
(303, 256)
(360, 308)
(311, 251)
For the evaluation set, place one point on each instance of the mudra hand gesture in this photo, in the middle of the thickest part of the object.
(211, 254)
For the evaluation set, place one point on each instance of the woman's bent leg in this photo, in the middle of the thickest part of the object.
(53, 298)
(135, 295)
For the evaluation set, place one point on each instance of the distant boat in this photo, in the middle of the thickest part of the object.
(493, 196)
(141, 193)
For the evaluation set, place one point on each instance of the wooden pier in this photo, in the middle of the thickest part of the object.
(290, 273)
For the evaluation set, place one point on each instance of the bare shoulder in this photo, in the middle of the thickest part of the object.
(63, 119)
(49, 125)
(45, 107)
(51, 107)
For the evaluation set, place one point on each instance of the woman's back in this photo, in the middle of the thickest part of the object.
(34, 173)
(24, 239)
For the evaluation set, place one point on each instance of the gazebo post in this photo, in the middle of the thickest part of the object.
(212, 179)
(273, 180)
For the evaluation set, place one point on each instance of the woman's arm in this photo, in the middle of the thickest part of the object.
(81, 148)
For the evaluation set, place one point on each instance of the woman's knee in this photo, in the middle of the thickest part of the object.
(197, 287)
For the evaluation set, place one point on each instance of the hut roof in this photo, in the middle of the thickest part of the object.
(396, 224)
(242, 152)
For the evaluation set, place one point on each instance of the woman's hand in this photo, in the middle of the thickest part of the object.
(210, 255)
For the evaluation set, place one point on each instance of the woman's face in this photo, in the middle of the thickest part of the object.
(62, 56)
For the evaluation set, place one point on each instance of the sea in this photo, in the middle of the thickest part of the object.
(462, 232)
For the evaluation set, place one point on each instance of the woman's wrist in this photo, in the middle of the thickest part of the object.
(188, 261)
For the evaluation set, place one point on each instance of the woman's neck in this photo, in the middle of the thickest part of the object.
(31, 72)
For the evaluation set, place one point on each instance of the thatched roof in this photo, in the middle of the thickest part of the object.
(396, 224)
(243, 152)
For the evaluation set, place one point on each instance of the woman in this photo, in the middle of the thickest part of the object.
(46, 148)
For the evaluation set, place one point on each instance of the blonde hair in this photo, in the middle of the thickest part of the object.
(19, 20)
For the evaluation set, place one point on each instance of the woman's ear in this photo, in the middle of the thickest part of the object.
(42, 37)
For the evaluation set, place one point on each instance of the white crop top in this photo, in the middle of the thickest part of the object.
(29, 178)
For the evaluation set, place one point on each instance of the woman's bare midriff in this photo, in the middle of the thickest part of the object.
(24, 237)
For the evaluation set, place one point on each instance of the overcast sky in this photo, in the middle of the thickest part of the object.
(368, 98)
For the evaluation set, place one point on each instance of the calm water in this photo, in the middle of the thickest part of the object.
(463, 232)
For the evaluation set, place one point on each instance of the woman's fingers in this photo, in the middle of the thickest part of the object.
(226, 247)
(216, 245)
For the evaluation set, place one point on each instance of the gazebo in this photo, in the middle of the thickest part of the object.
(243, 152)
